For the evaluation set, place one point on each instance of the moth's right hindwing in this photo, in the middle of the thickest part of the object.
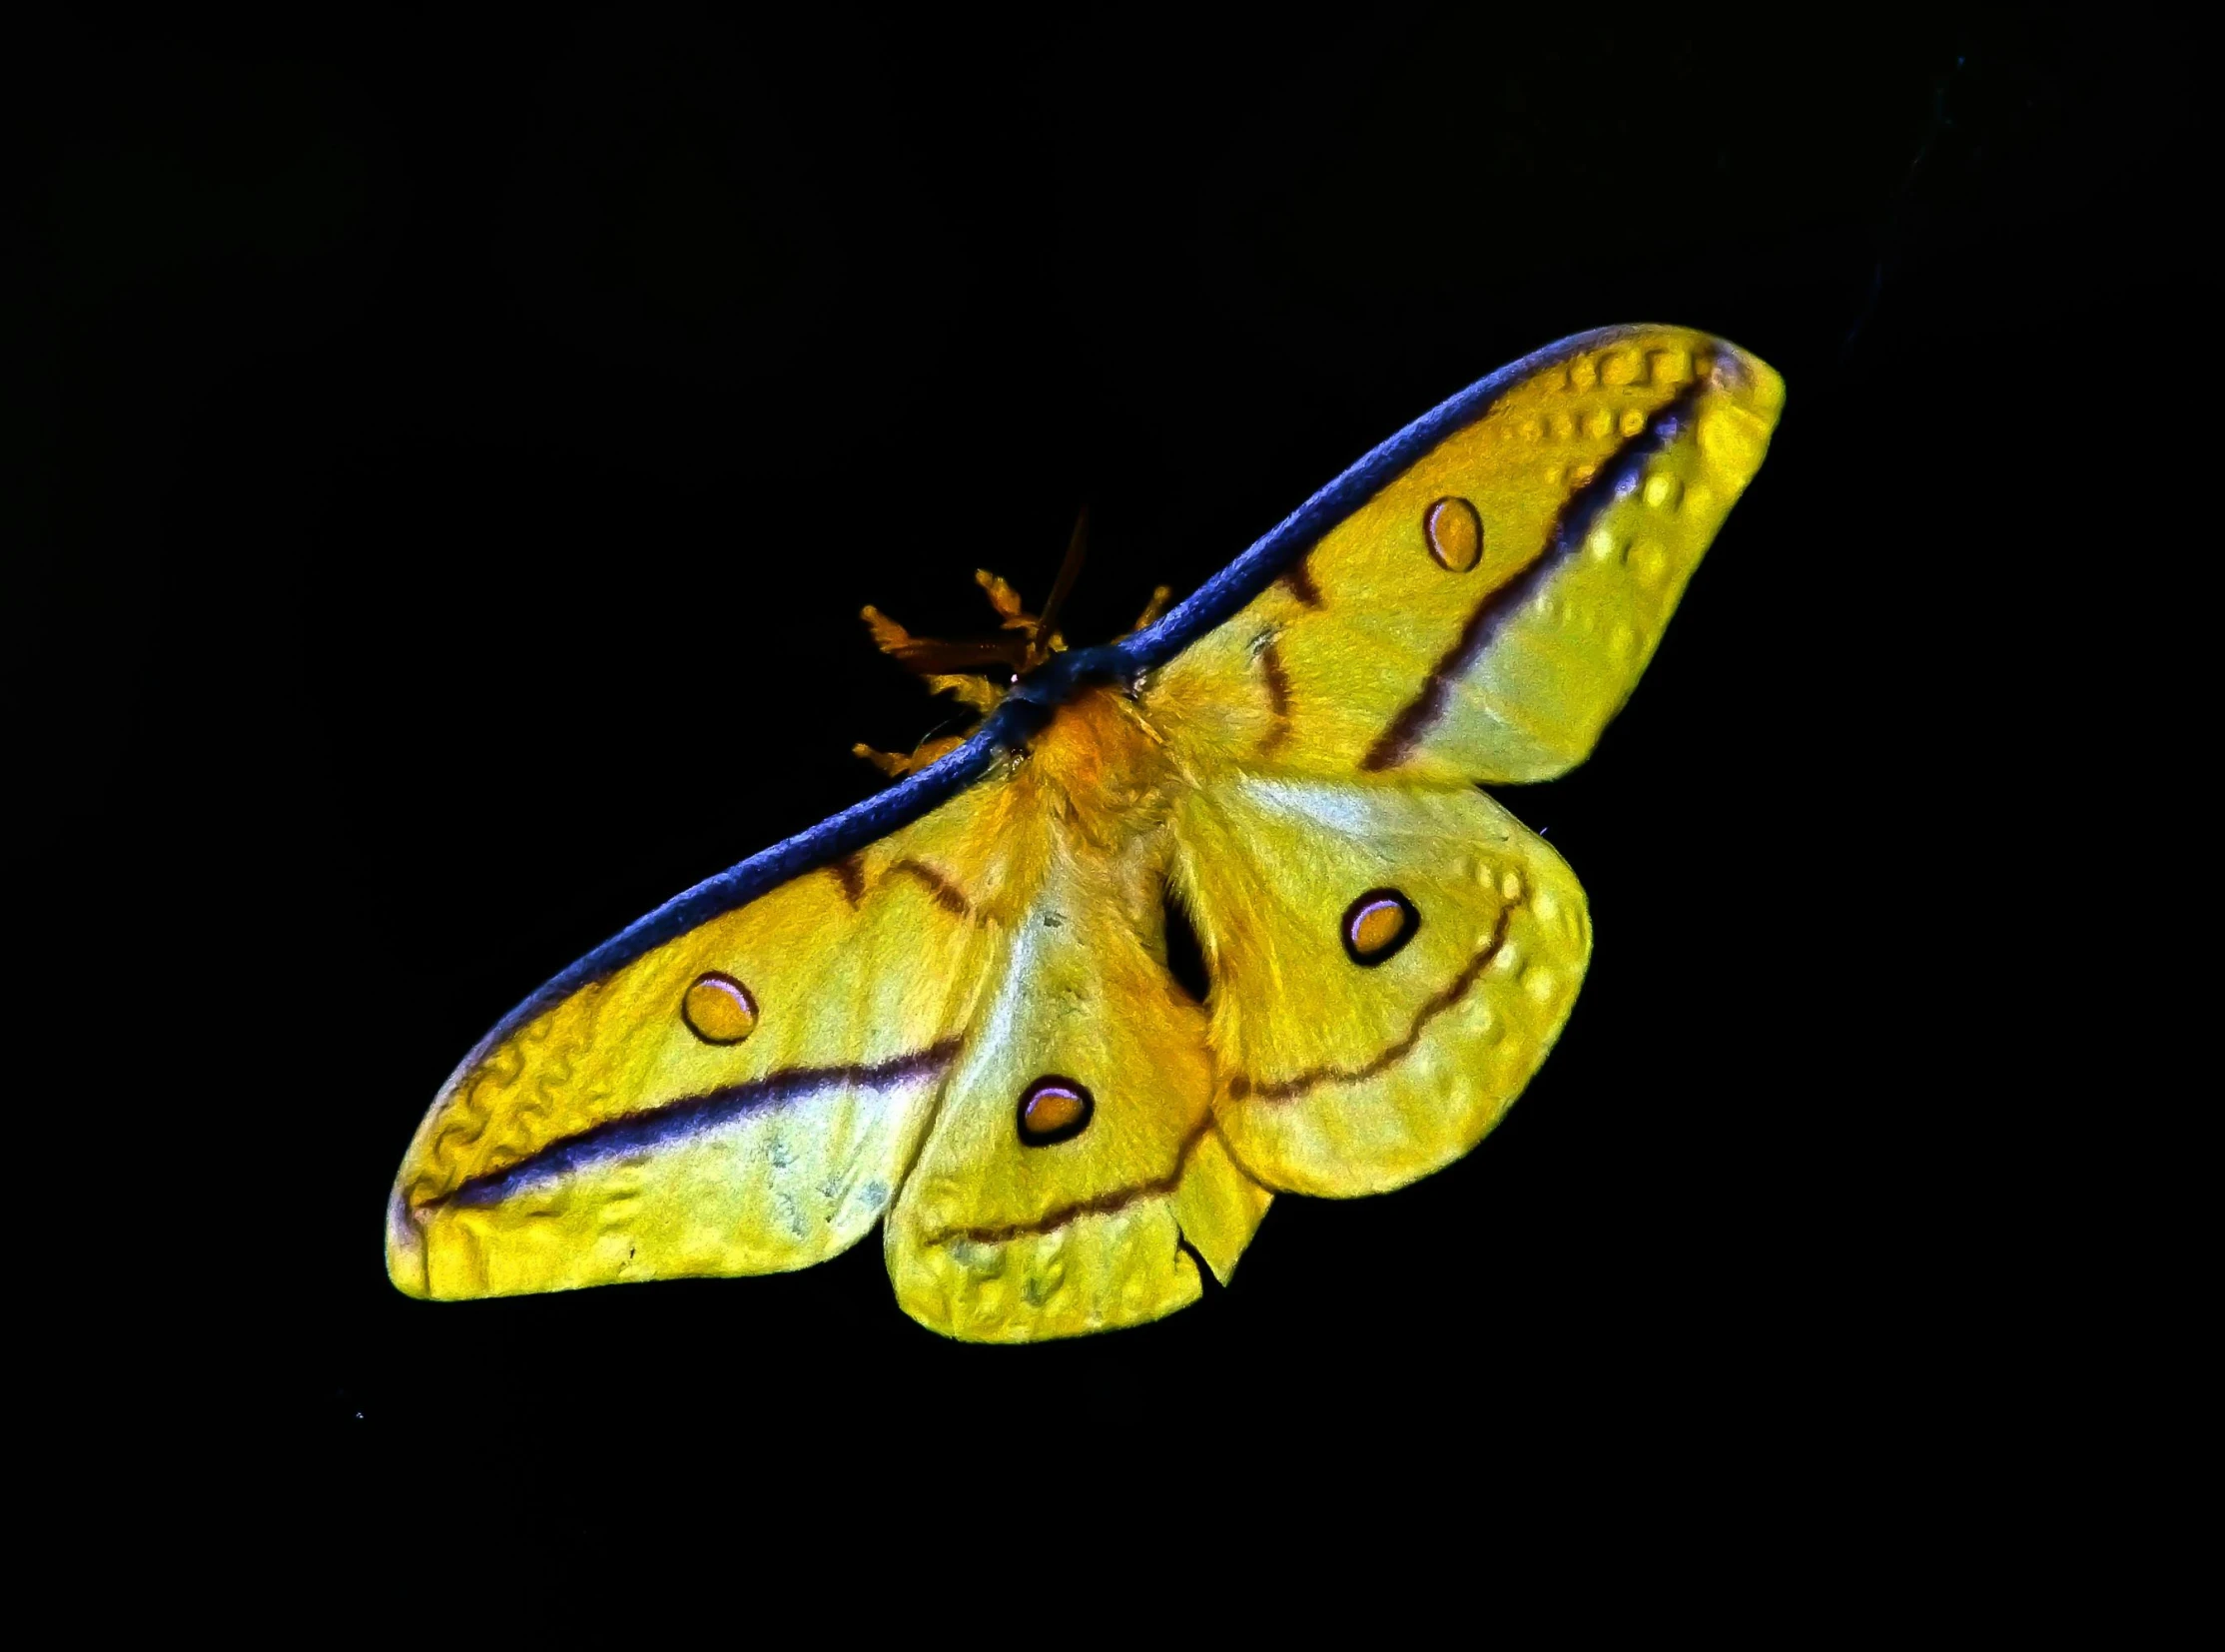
(1391, 963)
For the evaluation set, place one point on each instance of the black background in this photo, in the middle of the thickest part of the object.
(455, 453)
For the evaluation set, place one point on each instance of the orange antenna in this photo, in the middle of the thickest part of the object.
(1078, 550)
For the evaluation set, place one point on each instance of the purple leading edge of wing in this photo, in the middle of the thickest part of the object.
(1029, 706)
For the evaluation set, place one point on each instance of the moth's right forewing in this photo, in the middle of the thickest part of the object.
(1489, 606)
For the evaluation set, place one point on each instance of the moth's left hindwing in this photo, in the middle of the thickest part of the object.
(1075, 1149)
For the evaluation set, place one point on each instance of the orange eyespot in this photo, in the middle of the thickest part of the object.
(1454, 532)
(719, 1009)
(1377, 926)
(1054, 1109)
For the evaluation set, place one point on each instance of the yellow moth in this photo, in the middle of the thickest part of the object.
(949, 1009)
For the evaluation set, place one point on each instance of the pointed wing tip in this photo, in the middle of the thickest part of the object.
(1748, 381)
(405, 1252)
(1739, 414)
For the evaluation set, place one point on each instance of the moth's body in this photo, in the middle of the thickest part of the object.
(1106, 766)
(966, 1025)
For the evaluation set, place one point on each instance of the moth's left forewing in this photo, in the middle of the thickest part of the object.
(635, 1129)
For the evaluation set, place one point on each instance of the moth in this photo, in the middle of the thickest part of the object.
(950, 1008)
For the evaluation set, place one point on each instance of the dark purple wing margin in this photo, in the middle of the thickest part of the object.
(1029, 706)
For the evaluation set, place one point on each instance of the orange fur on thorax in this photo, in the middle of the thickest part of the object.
(1101, 766)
